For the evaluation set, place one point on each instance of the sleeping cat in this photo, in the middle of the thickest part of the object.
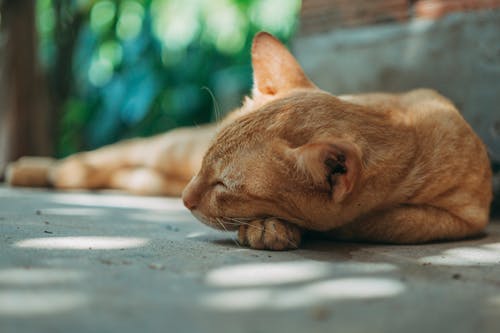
(400, 168)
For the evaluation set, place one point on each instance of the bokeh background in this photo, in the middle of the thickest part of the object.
(140, 67)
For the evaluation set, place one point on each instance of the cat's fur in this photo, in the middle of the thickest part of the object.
(401, 168)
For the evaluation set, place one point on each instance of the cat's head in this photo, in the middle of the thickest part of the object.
(275, 157)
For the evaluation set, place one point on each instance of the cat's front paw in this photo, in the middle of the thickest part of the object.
(270, 234)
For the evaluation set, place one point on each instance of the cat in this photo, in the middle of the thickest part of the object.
(398, 168)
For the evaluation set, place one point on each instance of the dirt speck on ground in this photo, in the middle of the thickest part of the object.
(320, 313)
(156, 266)
(172, 228)
(106, 261)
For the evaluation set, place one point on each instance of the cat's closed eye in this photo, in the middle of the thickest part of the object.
(219, 184)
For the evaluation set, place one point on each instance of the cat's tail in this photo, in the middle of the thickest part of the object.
(30, 171)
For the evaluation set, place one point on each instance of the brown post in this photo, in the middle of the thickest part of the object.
(25, 119)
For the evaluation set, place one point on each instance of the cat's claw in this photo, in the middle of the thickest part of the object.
(270, 234)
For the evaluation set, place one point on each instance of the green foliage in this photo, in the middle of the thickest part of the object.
(140, 67)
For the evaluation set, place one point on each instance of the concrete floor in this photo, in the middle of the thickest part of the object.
(81, 262)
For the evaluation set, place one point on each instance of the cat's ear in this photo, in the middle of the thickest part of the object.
(333, 165)
(275, 69)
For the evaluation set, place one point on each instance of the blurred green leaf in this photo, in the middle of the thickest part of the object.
(140, 66)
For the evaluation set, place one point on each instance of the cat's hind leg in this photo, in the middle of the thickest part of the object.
(408, 224)
(94, 169)
(30, 171)
(86, 170)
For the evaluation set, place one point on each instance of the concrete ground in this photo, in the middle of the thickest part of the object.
(107, 262)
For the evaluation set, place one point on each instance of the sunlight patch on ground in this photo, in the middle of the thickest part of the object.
(155, 217)
(364, 267)
(303, 296)
(351, 288)
(27, 303)
(118, 201)
(239, 300)
(82, 243)
(493, 304)
(493, 246)
(197, 234)
(74, 211)
(267, 274)
(38, 276)
(250, 275)
(487, 254)
(495, 300)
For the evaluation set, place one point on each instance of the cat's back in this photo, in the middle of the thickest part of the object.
(451, 161)
(451, 168)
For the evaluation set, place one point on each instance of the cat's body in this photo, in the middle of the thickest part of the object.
(400, 168)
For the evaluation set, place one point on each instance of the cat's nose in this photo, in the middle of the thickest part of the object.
(189, 203)
(190, 196)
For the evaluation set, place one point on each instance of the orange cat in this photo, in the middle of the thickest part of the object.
(400, 168)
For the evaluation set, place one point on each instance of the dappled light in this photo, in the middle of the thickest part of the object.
(300, 284)
(354, 288)
(197, 234)
(495, 301)
(31, 302)
(118, 201)
(267, 274)
(161, 218)
(82, 243)
(38, 276)
(74, 211)
(177, 267)
(262, 274)
(486, 254)
(239, 300)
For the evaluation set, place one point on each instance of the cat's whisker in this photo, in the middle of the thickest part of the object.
(217, 108)
(221, 223)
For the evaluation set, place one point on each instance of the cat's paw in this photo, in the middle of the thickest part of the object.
(72, 173)
(270, 234)
(29, 171)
